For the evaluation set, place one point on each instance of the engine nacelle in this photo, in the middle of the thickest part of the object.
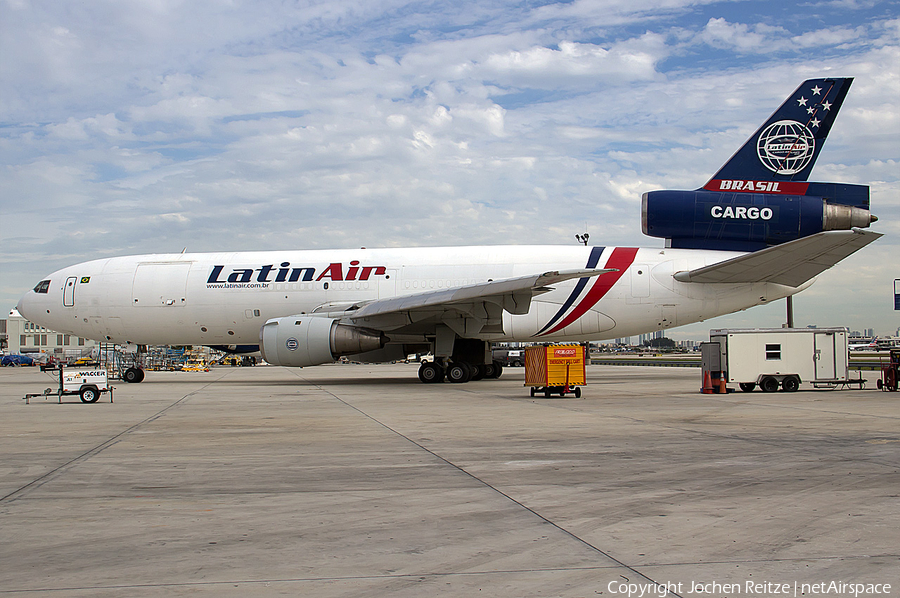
(743, 221)
(304, 340)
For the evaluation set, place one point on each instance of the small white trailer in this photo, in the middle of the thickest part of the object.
(782, 357)
(89, 385)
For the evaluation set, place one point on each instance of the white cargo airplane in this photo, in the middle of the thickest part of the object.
(756, 232)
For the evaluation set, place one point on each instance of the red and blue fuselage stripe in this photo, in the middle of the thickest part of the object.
(620, 260)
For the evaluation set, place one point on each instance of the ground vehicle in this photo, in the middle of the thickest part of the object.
(510, 357)
(89, 385)
(16, 360)
(555, 369)
(890, 372)
(782, 357)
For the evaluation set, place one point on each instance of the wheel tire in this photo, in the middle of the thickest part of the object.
(578, 392)
(546, 393)
(131, 375)
(459, 373)
(791, 384)
(498, 369)
(533, 391)
(89, 394)
(879, 384)
(769, 384)
(431, 373)
(490, 370)
(747, 386)
(479, 372)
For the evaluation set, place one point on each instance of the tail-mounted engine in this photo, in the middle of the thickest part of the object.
(304, 340)
(745, 220)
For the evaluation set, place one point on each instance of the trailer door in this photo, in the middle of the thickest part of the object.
(826, 367)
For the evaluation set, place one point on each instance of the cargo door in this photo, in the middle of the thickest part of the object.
(640, 280)
(162, 284)
(69, 292)
(387, 284)
(826, 367)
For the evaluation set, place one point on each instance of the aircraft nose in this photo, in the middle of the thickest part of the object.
(25, 305)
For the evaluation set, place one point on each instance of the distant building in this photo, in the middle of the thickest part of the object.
(27, 337)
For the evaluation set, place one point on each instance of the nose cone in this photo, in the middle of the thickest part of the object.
(25, 306)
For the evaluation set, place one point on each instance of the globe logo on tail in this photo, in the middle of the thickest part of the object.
(786, 147)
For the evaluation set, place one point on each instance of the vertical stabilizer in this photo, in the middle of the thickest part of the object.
(786, 146)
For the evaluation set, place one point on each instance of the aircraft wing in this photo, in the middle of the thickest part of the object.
(468, 309)
(790, 264)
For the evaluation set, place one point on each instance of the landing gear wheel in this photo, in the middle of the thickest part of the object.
(89, 394)
(790, 384)
(490, 370)
(459, 373)
(430, 373)
(498, 369)
(747, 386)
(478, 372)
(769, 384)
(133, 375)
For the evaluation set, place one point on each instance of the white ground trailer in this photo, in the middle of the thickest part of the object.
(782, 357)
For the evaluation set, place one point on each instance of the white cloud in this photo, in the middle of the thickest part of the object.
(347, 123)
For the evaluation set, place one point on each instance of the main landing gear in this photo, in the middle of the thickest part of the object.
(458, 371)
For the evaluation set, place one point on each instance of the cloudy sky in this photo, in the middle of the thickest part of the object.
(158, 125)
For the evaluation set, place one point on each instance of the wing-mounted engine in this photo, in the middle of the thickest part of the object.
(748, 221)
(304, 340)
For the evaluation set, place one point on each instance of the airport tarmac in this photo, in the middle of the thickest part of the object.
(357, 480)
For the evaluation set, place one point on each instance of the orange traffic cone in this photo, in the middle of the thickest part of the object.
(707, 384)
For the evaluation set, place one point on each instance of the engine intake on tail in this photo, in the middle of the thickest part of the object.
(742, 221)
(304, 340)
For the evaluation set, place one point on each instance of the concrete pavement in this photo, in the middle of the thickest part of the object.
(357, 480)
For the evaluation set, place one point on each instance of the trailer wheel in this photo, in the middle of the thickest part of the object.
(89, 394)
(769, 384)
(747, 386)
(791, 384)
(534, 390)
(577, 392)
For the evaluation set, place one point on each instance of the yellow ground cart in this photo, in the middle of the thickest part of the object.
(555, 369)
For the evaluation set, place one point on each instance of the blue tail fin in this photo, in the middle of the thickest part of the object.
(785, 148)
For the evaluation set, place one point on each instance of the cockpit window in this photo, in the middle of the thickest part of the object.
(42, 287)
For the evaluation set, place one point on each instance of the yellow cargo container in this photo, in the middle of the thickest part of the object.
(555, 369)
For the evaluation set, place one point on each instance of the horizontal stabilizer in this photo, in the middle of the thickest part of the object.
(790, 264)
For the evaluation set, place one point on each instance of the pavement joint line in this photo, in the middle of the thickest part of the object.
(493, 488)
(53, 473)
